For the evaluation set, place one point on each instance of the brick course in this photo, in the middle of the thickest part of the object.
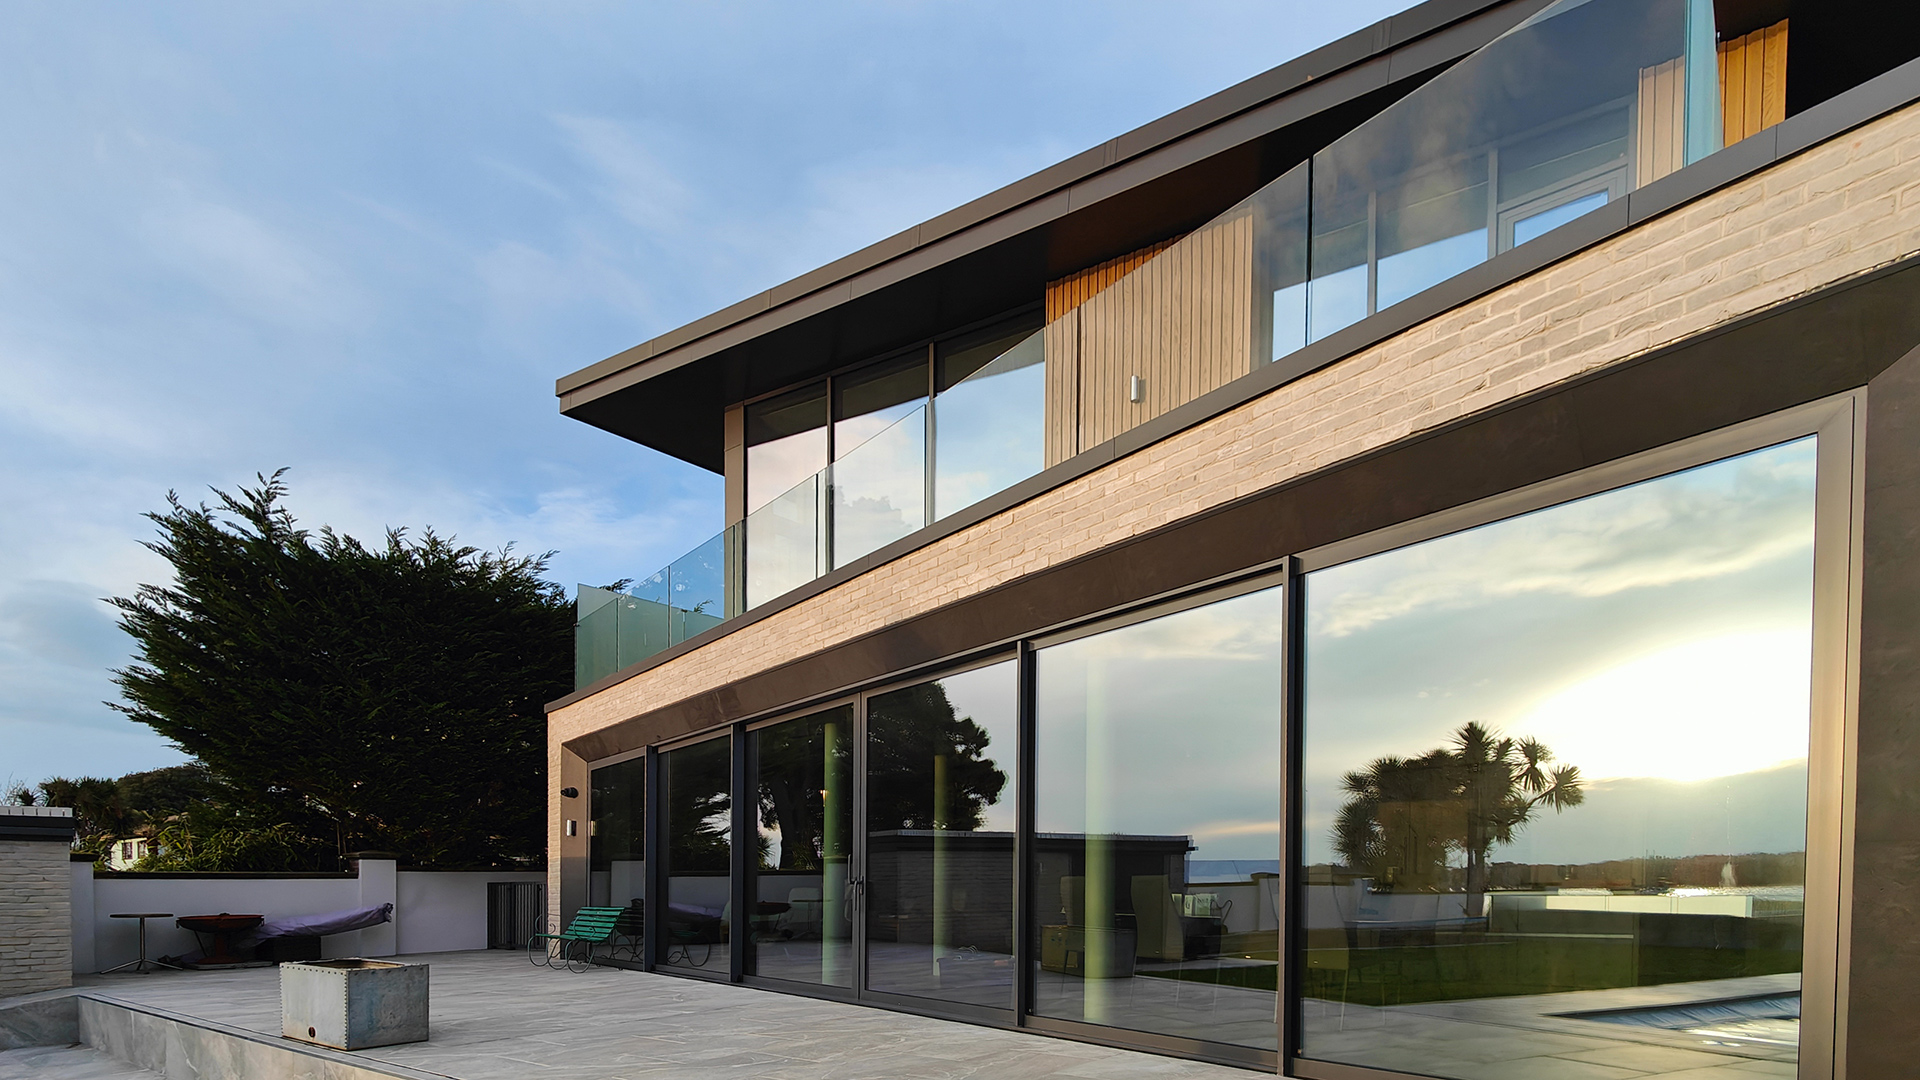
(1835, 211)
(36, 917)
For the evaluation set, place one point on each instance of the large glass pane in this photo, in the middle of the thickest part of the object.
(1431, 226)
(616, 847)
(880, 456)
(1554, 786)
(804, 779)
(989, 419)
(1575, 107)
(697, 589)
(940, 764)
(646, 618)
(872, 399)
(1157, 769)
(880, 488)
(1280, 211)
(786, 443)
(596, 635)
(786, 541)
(695, 796)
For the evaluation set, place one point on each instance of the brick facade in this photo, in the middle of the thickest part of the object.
(36, 932)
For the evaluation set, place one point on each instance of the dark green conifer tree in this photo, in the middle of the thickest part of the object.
(382, 698)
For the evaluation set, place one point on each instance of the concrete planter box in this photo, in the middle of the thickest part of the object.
(350, 1004)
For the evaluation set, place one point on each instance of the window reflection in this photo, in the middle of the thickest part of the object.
(880, 456)
(1554, 783)
(616, 848)
(786, 513)
(799, 925)
(786, 443)
(699, 831)
(989, 422)
(940, 838)
(1157, 763)
(1560, 116)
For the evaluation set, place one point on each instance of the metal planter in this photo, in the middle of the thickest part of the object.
(349, 1004)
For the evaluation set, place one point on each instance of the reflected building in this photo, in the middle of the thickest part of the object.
(1399, 568)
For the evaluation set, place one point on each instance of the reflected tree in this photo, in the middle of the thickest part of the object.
(1404, 817)
(927, 766)
(794, 781)
(699, 808)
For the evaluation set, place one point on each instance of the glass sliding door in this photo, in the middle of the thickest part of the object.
(940, 824)
(696, 798)
(1157, 816)
(1554, 786)
(616, 836)
(799, 881)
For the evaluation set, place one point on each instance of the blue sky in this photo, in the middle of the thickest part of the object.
(362, 240)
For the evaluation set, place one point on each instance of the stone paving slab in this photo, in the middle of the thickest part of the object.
(496, 1017)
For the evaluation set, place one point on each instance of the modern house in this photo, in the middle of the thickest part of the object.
(1403, 566)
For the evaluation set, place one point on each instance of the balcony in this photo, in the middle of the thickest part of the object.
(1569, 111)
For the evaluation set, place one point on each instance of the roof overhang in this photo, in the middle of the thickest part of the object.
(996, 253)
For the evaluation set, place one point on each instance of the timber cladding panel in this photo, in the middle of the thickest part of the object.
(1180, 319)
(1062, 341)
(1837, 210)
(1660, 121)
(1753, 82)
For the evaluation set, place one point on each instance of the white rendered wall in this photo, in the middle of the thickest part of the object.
(115, 941)
(447, 912)
(433, 911)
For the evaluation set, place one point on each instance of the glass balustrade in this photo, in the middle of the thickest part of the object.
(989, 438)
(989, 424)
(1571, 110)
(879, 490)
(787, 541)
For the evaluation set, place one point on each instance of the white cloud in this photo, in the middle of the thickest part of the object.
(632, 176)
(1713, 522)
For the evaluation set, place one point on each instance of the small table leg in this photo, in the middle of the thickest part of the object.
(141, 965)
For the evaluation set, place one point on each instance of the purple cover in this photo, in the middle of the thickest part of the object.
(333, 922)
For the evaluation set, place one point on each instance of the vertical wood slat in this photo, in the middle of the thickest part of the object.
(1181, 323)
(1066, 413)
(1660, 121)
(1753, 81)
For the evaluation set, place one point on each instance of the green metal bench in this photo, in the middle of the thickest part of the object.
(590, 926)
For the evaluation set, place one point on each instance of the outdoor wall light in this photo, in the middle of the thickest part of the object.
(569, 792)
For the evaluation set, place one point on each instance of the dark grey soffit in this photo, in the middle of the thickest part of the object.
(1864, 103)
(997, 252)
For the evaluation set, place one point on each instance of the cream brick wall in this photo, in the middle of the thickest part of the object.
(36, 917)
(1835, 211)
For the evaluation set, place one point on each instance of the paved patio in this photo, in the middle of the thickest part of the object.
(496, 1017)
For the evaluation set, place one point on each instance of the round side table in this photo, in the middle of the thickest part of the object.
(142, 965)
